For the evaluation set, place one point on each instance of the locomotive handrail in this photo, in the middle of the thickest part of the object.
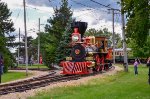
(79, 42)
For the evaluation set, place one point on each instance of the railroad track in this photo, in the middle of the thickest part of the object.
(38, 82)
(33, 69)
(28, 80)
(29, 84)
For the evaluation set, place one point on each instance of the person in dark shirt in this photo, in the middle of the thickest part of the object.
(1, 64)
(148, 62)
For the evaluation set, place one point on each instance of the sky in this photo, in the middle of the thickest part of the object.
(95, 15)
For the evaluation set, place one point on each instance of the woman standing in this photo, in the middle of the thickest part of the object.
(136, 63)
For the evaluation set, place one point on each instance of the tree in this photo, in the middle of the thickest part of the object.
(6, 27)
(64, 49)
(138, 23)
(143, 52)
(56, 25)
(6, 24)
(47, 48)
(55, 28)
(32, 48)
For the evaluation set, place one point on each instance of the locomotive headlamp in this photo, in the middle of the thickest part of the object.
(89, 58)
(90, 53)
(68, 58)
(75, 38)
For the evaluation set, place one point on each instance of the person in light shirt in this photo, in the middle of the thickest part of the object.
(136, 63)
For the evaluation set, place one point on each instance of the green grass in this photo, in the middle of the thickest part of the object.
(11, 76)
(33, 66)
(120, 86)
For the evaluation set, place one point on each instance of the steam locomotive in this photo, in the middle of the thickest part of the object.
(88, 54)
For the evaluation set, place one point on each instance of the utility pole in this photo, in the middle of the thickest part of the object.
(26, 50)
(113, 33)
(113, 36)
(19, 48)
(123, 31)
(39, 44)
(124, 39)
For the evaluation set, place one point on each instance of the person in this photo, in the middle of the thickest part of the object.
(136, 63)
(1, 64)
(148, 62)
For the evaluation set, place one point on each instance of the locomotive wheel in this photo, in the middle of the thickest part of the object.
(90, 70)
(106, 67)
(78, 53)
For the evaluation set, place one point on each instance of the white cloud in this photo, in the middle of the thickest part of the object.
(30, 25)
(13, 4)
(96, 20)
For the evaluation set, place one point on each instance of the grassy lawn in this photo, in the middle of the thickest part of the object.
(11, 76)
(120, 86)
(33, 66)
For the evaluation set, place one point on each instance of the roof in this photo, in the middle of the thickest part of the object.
(121, 49)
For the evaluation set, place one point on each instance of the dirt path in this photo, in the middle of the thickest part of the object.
(24, 95)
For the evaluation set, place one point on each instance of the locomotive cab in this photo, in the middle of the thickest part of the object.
(101, 43)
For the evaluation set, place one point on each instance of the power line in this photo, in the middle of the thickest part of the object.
(86, 10)
(37, 9)
(50, 2)
(88, 6)
(107, 6)
(82, 4)
(101, 4)
(85, 13)
(117, 20)
(27, 16)
(91, 8)
(17, 15)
